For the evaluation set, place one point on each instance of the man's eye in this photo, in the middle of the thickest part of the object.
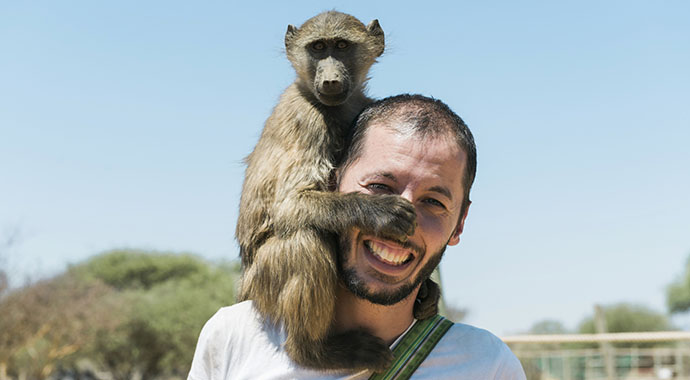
(435, 202)
(379, 188)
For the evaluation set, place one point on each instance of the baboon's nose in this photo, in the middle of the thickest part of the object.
(331, 87)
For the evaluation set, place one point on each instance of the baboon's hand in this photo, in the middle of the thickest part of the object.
(389, 216)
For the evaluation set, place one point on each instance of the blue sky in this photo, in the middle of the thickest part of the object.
(124, 124)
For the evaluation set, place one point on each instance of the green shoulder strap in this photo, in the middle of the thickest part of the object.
(414, 347)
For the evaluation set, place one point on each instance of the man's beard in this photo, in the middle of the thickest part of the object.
(359, 288)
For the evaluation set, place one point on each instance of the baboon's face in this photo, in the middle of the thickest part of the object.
(429, 173)
(332, 53)
(331, 61)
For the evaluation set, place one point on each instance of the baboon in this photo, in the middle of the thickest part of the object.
(290, 217)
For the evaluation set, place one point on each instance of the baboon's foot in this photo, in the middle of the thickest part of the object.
(351, 350)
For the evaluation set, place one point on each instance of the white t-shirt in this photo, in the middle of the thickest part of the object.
(236, 343)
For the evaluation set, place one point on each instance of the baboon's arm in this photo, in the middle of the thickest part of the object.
(382, 215)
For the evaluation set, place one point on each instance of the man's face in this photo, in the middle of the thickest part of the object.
(429, 174)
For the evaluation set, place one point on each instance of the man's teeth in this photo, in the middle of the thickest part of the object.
(387, 255)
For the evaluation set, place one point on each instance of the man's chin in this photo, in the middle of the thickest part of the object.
(390, 294)
(387, 297)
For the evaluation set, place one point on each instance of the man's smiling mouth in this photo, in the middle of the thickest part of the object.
(388, 254)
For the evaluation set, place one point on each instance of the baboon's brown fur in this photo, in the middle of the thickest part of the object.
(288, 215)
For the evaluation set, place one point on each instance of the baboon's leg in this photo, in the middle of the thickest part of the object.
(426, 304)
(293, 280)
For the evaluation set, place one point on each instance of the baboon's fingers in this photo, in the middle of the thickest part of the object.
(393, 216)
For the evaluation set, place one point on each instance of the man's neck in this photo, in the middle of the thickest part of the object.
(386, 322)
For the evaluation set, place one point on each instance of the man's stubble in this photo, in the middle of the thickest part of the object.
(355, 284)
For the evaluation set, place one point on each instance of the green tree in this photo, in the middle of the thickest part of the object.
(137, 269)
(170, 296)
(44, 324)
(132, 313)
(678, 293)
(548, 326)
(9, 239)
(454, 313)
(625, 317)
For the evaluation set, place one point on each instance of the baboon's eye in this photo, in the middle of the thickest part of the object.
(341, 44)
(318, 45)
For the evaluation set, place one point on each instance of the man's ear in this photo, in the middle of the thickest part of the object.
(335, 179)
(455, 237)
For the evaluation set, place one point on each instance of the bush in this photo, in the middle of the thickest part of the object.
(128, 312)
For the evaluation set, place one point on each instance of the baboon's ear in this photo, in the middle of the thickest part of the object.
(290, 34)
(374, 28)
(375, 31)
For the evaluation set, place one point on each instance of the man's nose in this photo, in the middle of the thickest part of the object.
(407, 194)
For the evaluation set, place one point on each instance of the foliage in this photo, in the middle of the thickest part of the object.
(544, 327)
(548, 326)
(134, 269)
(132, 313)
(454, 313)
(4, 282)
(624, 317)
(171, 296)
(678, 293)
(8, 239)
(45, 324)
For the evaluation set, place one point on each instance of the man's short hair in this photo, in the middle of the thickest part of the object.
(422, 116)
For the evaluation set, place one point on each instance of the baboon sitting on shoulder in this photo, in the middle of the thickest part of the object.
(289, 217)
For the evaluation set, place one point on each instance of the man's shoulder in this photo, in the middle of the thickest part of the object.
(472, 337)
(467, 351)
(231, 325)
(232, 337)
(230, 315)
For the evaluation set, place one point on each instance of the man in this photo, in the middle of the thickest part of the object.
(417, 148)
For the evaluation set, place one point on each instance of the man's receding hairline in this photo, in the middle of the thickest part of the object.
(446, 133)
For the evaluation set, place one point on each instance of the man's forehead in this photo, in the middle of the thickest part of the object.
(406, 130)
(440, 159)
(403, 127)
